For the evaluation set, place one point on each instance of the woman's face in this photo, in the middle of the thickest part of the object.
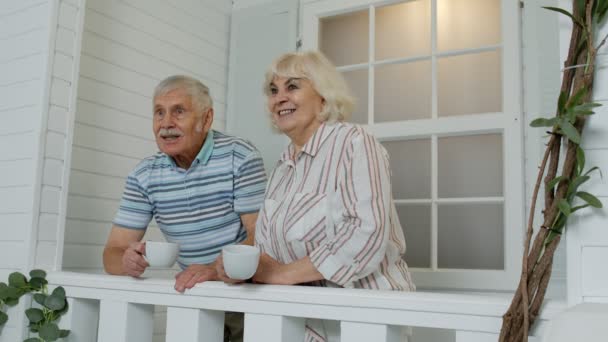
(294, 105)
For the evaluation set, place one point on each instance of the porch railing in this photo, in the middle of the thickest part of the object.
(119, 309)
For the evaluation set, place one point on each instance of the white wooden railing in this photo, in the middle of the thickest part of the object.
(120, 309)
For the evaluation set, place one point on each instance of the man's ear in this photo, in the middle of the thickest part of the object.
(208, 119)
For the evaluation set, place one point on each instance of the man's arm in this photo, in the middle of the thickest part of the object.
(123, 253)
(249, 224)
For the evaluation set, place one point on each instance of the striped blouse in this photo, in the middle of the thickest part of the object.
(333, 203)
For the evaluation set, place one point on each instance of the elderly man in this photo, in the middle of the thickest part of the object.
(204, 189)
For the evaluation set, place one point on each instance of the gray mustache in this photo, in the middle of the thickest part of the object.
(169, 132)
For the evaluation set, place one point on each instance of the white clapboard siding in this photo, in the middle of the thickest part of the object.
(16, 172)
(108, 141)
(102, 163)
(102, 116)
(88, 232)
(8, 229)
(21, 69)
(49, 199)
(63, 66)
(58, 120)
(163, 32)
(65, 41)
(21, 119)
(60, 92)
(68, 15)
(83, 183)
(23, 45)
(112, 96)
(87, 208)
(82, 256)
(45, 255)
(119, 33)
(20, 95)
(15, 199)
(24, 21)
(52, 173)
(55, 145)
(596, 129)
(19, 146)
(47, 227)
(8, 8)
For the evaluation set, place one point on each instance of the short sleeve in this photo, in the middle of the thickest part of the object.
(135, 210)
(249, 184)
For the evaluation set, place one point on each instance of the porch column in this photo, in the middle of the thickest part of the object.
(272, 328)
(193, 325)
(363, 332)
(81, 319)
(125, 322)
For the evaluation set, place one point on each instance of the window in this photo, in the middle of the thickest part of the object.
(438, 82)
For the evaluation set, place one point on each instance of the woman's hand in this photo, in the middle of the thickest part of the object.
(221, 273)
(269, 271)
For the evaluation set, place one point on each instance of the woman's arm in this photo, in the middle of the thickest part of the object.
(271, 271)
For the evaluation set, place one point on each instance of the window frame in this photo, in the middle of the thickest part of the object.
(508, 123)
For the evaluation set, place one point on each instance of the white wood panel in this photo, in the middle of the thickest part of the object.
(67, 16)
(49, 199)
(360, 332)
(14, 6)
(87, 232)
(27, 44)
(597, 185)
(19, 146)
(82, 256)
(186, 23)
(204, 12)
(62, 66)
(143, 42)
(53, 172)
(469, 336)
(45, 255)
(17, 172)
(121, 99)
(272, 328)
(81, 320)
(12, 254)
(91, 208)
(74, 3)
(124, 322)
(16, 199)
(65, 41)
(87, 184)
(94, 45)
(594, 277)
(14, 226)
(22, 69)
(193, 325)
(22, 119)
(102, 116)
(55, 145)
(47, 227)
(595, 135)
(102, 162)
(20, 95)
(58, 119)
(104, 140)
(29, 19)
(162, 31)
(60, 93)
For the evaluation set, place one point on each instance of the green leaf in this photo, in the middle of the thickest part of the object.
(49, 332)
(3, 291)
(564, 207)
(40, 298)
(63, 333)
(570, 131)
(562, 11)
(54, 302)
(580, 160)
(34, 327)
(32, 339)
(543, 122)
(577, 98)
(576, 183)
(34, 315)
(17, 279)
(579, 207)
(593, 169)
(38, 283)
(59, 292)
(64, 310)
(38, 274)
(590, 199)
(554, 182)
(13, 293)
(580, 5)
(561, 102)
(11, 301)
(3, 318)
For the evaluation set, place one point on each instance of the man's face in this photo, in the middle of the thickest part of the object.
(179, 126)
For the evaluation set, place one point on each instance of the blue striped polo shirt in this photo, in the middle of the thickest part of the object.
(198, 208)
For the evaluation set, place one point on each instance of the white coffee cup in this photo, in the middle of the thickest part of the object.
(240, 261)
(161, 254)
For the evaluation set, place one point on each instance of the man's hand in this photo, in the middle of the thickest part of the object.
(193, 275)
(133, 262)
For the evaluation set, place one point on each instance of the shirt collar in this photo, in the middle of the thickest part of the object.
(203, 155)
(313, 145)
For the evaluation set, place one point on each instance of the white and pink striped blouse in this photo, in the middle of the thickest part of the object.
(333, 203)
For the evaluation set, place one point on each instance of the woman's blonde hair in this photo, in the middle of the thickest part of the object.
(325, 79)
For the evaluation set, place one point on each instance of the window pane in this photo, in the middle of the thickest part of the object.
(416, 223)
(402, 92)
(470, 236)
(469, 84)
(403, 30)
(464, 24)
(357, 81)
(344, 38)
(410, 167)
(470, 166)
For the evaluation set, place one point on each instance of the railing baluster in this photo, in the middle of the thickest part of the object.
(125, 322)
(272, 328)
(364, 332)
(475, 336)
(81, 319)
(193, 325)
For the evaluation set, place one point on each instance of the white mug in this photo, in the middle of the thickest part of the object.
(240, 261)
(161, 254)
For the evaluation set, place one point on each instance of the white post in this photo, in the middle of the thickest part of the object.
(473, 336)
(193, 325)
(363, 332)
(81, 319)
(125, 322)
(271, 328)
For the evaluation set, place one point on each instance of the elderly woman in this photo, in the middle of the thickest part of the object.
(328, 217)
